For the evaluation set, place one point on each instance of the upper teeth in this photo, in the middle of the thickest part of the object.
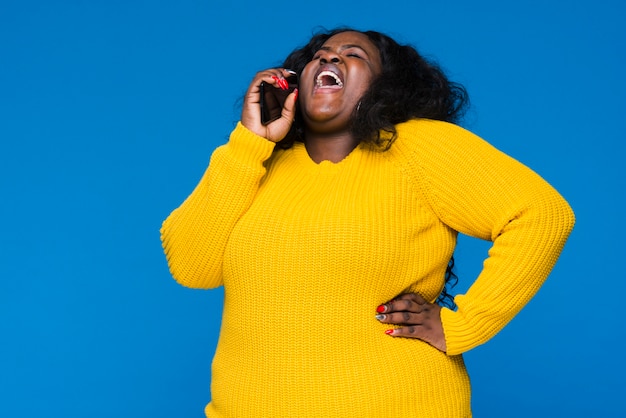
(328, 73)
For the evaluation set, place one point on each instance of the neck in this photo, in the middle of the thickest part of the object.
(333, 148)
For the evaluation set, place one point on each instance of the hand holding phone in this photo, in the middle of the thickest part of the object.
(273, 99)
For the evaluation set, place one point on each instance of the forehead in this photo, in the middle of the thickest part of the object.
(354, 39)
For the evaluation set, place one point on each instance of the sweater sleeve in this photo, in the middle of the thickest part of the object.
(479, 191)
(195, 234)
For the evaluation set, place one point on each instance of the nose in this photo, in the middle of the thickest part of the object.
(329, 56)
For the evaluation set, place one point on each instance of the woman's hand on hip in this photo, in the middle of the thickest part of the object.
(415, 317)
(251, 112)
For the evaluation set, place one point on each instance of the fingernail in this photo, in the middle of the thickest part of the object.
(279, 81)
(290, 71)
(381, 309)
(380, 317)
(389, 332)
(284, 84)
(296, 93)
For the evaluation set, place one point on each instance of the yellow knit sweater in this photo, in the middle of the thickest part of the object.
(306, 252)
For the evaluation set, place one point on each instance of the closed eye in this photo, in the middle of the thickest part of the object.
(354, 52)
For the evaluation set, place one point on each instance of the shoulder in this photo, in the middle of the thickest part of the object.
(440, 151)
(433, 140)
(428, 133)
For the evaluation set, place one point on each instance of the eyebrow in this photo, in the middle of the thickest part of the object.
(344, 47)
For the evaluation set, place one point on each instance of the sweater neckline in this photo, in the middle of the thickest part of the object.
(305, 160)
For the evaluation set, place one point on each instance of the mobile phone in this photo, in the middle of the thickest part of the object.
(273, 99)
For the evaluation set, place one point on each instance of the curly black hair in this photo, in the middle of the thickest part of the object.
(409, 87)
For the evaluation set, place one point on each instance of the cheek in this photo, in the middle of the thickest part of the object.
(306, 76)
(364, 82)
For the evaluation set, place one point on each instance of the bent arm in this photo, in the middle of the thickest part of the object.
(195, 234)
(479, 191)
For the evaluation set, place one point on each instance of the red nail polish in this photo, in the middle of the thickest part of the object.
(296, 93)
(381, 309)
(389, 332)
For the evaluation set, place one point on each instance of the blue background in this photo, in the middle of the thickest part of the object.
(109, 111)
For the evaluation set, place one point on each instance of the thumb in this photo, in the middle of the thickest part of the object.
(279, 128)
(289, 108)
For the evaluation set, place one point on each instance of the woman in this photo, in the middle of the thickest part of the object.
(333, 246)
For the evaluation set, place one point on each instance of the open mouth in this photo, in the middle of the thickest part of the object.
(328, 79)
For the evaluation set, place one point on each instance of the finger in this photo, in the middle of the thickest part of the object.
(279, 77)
(290, 106)
(401, 318)
(414, 297)
(281, 82)
(410, 331)
(408, 302)
(272, 76)
(434, 338)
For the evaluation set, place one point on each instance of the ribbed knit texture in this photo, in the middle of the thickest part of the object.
(306, 252)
